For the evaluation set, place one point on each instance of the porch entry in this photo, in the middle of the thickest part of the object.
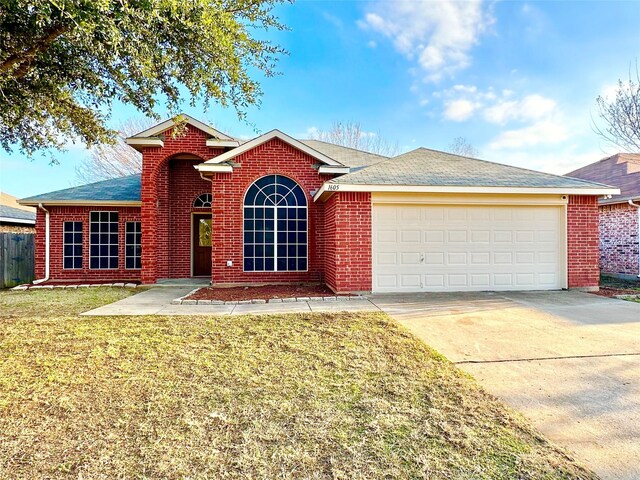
(201, 245)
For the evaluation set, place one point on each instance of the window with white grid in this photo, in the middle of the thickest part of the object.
(203, 201)
(133, 245)
(103, 240)
(72, 255)
(275, 226)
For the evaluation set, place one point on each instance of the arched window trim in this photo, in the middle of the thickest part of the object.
(275, 226)
(203, 200)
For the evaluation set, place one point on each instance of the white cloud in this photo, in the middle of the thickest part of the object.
(459, 110)
(539, 133)
(438, 35)
(531, 107)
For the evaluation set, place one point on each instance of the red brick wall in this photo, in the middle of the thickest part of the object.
(348, 242)
(185, 184)
(619, 239)
(59, 215)
(228, 189)
(156, 200)
(582, 241)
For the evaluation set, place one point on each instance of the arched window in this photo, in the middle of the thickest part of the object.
(275, 226)
(203, 201)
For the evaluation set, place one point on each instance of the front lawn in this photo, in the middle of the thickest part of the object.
(348, 396)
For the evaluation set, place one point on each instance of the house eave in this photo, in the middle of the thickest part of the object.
(215, 143)
(23, 221)
(213, 168)
(82, 203)
(328, 189)
(140, 143)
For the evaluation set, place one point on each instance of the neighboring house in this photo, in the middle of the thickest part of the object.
(276, 209)
(619, 214)
(14, 217)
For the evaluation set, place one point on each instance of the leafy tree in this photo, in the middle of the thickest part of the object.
(63, 63)
(352, 135)
(620, 114)
(460, 146)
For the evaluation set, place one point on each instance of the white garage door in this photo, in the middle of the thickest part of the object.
(464, 248)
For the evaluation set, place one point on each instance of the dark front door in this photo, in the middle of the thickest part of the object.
(201, 245)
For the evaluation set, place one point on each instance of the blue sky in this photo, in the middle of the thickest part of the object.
(518, 80)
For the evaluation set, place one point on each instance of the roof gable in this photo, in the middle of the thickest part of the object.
(621, 170)
(167, 124)
(151, 136)
(210, 164)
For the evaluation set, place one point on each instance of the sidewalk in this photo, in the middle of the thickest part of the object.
(157, 301)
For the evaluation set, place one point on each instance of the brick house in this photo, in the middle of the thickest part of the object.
(619, 218)
(277, 209)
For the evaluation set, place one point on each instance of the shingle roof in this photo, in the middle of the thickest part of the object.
(121, 189)
(16, 213)
(427, 167)
(422, 167)
(621, 170)
(349, 157)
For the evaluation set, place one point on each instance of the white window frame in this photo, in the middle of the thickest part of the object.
(138, 231)
(108, 244)
(275, 209)
(73, 244)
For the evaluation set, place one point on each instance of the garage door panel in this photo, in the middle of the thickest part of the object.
(466, 248)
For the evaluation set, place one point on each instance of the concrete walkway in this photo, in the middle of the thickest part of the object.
(157, 301)
(569, 361)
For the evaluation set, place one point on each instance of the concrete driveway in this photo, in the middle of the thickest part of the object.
(569, 361)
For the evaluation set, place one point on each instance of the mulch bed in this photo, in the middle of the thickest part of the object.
(612, 292)
(266, 292)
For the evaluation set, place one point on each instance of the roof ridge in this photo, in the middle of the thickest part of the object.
(343, 146)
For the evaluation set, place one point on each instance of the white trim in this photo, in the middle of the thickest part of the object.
(144, 142)
(340, 187)
(214, 142)
(214, 168)
(466, 199)
(564, 252)
(256, 142)
(167, 124)
(86, 203)
(331, 169)
(17, 220)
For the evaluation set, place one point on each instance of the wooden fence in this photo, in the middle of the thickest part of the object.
(17, 259)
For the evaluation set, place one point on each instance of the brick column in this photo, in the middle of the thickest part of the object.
(582, 242)
(348, 242)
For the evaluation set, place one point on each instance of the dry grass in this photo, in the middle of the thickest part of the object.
(345, 396)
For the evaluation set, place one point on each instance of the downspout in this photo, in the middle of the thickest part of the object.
(638, 207)
(46, 248)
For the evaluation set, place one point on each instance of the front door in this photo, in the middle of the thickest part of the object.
(201, 245)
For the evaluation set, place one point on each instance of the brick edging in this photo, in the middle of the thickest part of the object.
(183, 301)
(73, 287)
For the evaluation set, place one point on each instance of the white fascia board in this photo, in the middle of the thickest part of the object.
(144, 142)
(339, 187)
(213, 168)
(321, 157)
(166, 125)
(214, 142)
(333, 169)
(84, 203)
(17, 220)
